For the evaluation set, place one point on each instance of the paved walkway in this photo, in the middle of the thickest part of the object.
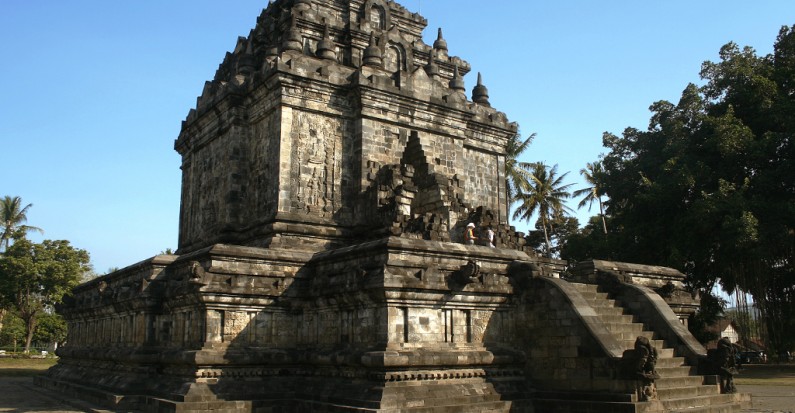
(771, 398)
(18, 394)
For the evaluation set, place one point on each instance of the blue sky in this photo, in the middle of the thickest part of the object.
(92, 93)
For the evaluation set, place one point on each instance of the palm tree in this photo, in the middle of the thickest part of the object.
(545, 194)
(517, 174)
(12, 219)
(592, 173)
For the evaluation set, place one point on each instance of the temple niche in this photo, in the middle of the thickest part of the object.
(329, 170)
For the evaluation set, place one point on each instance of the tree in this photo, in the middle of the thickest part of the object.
(34, 277)
(563, 228)
(709, 187)
(587, 243)
(13, 216)
(544, 194)
(709, 313)
(517, 173)
(12, 223)
(13, 332)
(51, 329)
(592, 174)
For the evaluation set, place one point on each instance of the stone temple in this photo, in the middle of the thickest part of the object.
(329, 170)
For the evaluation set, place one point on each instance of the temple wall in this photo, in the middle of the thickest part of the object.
(560, 348)
(262, 192)
(482, 185)
(235, 303)
(191, 329)
(215, 183)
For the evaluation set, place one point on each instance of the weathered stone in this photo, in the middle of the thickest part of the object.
(327, 178)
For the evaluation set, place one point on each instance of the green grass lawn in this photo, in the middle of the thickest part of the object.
(17, 367)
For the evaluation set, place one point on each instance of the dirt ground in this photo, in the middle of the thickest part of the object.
(18, 393)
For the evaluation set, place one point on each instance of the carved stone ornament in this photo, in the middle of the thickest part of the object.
(639, 364)
(198, 276)
(723, 359)
(467, 274)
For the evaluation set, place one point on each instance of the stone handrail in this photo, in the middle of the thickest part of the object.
(587, 315)
(655, 311)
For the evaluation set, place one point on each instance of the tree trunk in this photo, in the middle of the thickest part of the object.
(2, 317)
(546, 237)
(30, 325)
(602, 215)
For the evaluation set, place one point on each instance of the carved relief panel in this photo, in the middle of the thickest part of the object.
(316, 166)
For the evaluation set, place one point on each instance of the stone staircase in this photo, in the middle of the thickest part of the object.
(679, 388)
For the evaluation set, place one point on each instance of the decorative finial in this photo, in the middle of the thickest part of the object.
(246, 61)
(372, 54)
(325, 48)
(293, 41)
(432, 69)
(479, 93)
(440, 43)
(457, 83)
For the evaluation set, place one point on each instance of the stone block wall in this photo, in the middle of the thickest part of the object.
(563, 354)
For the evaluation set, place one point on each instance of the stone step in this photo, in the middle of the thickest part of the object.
(609, 311)
(604, 303)
(437, 394)
(721, 408)
(671, 362)
(621, 325)
(687, 392)
(617, 319)
(689, 404)
(632, 329)
(486, 407)
(671, 382)
(594, 295)
(581, 287)
(662, 351)
(568, 405)
(675, 371)
(630, 341)
(679, 388)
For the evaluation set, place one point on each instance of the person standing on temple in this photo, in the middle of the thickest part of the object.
(490, 236)
(469, 234)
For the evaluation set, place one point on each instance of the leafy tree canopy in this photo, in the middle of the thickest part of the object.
(34, 277)
(517, 173)
(544, 194)
(709, 187)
